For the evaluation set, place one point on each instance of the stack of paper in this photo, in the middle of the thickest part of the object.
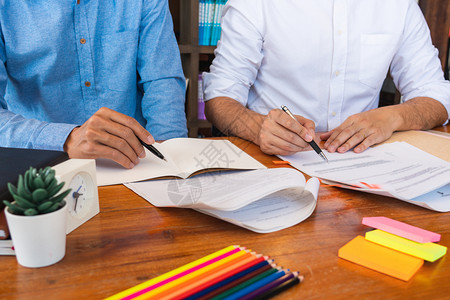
(261, 200)
(396, 170)
(395, 248)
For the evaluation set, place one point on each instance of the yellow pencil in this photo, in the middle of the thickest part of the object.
(169, 274)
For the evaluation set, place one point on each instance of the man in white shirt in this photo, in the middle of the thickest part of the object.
(326, 61)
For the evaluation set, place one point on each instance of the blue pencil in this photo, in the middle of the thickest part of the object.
(278, 289)
(268, 287)
(255, 286)
(228, 280)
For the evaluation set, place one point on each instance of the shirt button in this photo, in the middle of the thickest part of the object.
(337, 73)
(339, 32)
(83, 41)
(87, 83)
(333, 114)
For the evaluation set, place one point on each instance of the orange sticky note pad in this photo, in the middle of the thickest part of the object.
(380, 258)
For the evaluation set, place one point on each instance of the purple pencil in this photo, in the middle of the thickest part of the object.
(270, 286)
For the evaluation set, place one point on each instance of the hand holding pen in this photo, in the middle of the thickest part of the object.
(279, 134)
(312, 142)
(152, 149)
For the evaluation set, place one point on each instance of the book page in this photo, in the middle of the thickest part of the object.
(260, 200)
(184, 156)
(110, 172)
(191, 155)
(396, 169)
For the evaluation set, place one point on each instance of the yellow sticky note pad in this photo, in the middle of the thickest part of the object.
(427, 251)
(380, 258)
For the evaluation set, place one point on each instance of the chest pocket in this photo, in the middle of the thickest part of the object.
(376, 53)
(117, 60)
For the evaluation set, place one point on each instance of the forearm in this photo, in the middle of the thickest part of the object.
(232, 118)
(419, 114)
(18, 132)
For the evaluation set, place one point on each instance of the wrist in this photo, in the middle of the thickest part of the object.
(70, 139)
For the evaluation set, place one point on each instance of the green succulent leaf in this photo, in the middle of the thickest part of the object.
(23, 202)
(51, 186)
(11, 188)
(44, 206)
(31, 212)
(48, 178)
(40, 195)
(30, 181)
(14, 208)
(39, 183)
(60, 197)
(55, 189)
(23, 192)
(52, 208)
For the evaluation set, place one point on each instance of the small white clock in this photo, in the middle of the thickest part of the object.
(82, 201)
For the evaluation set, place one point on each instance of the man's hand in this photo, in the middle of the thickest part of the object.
(281, 135)
(109, 134)
(361, 131)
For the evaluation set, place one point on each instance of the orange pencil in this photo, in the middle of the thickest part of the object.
(189, 287)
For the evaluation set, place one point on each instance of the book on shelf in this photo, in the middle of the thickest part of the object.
(263, 201)
(210, 15)
(200, 102)
(184, 157)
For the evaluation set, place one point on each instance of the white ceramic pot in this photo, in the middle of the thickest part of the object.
(39, 240)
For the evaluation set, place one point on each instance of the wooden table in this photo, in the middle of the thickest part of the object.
(131, 241)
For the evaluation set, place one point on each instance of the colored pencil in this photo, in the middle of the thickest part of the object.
(245, 284)
(255, 285)
(207, 279)
(188, 278)
(172, 273)
(231, 282)
(269, 286)
(280, 288)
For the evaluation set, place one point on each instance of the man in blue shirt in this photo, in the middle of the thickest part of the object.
(89, 77)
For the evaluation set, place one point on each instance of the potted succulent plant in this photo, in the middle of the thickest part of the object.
(37, 218)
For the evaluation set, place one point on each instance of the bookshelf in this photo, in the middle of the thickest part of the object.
(195, 59)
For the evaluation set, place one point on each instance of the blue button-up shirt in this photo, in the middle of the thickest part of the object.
(60, 62)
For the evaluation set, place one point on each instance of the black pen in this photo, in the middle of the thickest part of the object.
(312, 143)
(152, 149)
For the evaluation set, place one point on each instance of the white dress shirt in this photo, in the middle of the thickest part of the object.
(324, 59)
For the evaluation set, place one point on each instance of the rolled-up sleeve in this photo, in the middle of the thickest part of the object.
(415, 68)
(232, 73)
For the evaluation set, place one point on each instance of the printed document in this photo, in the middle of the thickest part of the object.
(396, 170)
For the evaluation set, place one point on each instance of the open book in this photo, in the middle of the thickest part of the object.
(397, 170)
(184, 157)
(260, 200)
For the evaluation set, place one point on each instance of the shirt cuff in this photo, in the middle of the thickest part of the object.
(53, 136)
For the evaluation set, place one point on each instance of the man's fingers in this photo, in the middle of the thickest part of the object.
(130, 123)
(357, 139)
(296, 126)
(278, 146)
(115, 155)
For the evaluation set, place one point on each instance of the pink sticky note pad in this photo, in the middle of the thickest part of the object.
(402, 229)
